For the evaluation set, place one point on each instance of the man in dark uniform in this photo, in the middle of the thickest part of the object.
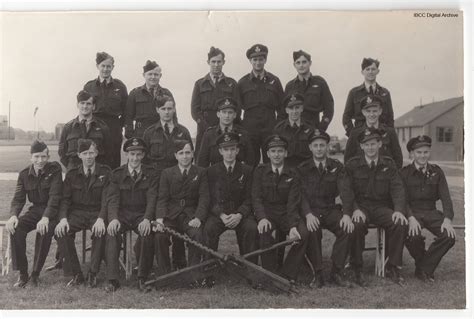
(41, 182)
(353, 109)
(261, 94)
(132, 201)
(425, 183)
(321, 182)
(85, 126)
(371, 107)
(295, 130)
(83, 206)
(160, 138)
(230, 188)
(317, 96)
(183, 204)
(276, 197)
(111, 97)
(209, 153)
(143, 100)
(208, 90)
(373, 191)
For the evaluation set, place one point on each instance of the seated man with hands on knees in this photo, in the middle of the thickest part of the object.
(83, 206)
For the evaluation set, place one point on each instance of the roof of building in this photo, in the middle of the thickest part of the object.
(424, 114)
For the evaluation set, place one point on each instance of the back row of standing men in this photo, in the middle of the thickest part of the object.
(217, 102)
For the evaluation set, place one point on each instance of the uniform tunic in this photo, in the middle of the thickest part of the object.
(353, 110)
(317, 99)
(44, 192)
(423, 190)
(298, 149)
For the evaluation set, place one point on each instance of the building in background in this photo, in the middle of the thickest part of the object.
(443, 121)
(6, 132)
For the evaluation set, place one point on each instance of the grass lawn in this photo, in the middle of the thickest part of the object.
(448, 292)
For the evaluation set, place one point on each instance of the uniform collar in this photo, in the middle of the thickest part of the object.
(84, 170)
(280, 169)
(367, 86)
(138, 169)
(108, 81)
(220, 130)
(170, 125)
(232, 165)
(33, 172)
(368, 161)
(263, 76)
(417, 167)
(77, 121)
(181, 169)
(211, 77)
(316, 163)
(306, 78)
(298, 123)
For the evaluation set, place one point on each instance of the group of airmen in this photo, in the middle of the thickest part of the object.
(266, 175)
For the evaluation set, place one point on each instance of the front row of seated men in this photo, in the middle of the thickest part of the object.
(203, 203)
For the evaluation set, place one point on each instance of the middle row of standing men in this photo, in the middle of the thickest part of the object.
(259, 94)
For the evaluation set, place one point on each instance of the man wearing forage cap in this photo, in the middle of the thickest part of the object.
(353, 109)
(261, 94)
(85, 126)
(110, 100)
(373, 192)
(317, 96)
(83, 206)
(207, 90)
(140, 112)
(41, 183)
(426, 184)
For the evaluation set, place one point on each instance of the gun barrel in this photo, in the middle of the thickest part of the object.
(274, 246)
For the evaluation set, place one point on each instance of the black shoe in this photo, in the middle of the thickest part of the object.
(22, 281)
(34, 280)
(421, 275)
(112, 286)
(142, 287)
(430, 277)
(317, 282)
(91, 280)
(394, 274)
(77, 280)
(359, 279)
(337, 279)
(57, 265)
(208, 282)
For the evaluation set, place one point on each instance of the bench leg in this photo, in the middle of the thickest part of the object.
(380, 253)
(84, 245)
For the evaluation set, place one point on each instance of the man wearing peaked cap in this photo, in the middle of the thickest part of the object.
(317, 96)
(261, 93)
(111, 97)
(230, 198)
(353, 116)
(372, 110)
(140, 111)
(131, 206)
(86, 126)
(83, 206)
(295, 130)
(373, 192)
(41, 183)
(276, 198)
(321, 183)
(209, 151)
(426, 184)
(207, 90)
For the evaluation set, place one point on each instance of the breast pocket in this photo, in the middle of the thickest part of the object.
(141, 106)
(205, 93)
(71, 141)
(382, 184)
(329, 184)
(360, 182)
(249, 93)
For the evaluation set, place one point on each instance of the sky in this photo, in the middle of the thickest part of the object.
(47, 57)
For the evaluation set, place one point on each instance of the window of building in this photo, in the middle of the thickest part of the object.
(403, 134)
(444, 134)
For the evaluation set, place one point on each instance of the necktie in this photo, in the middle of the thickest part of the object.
(295, 126)
(371, 182)
(422, 172)
(321, 168)
(167, 129)
(40, 172)
(88, 176)
(229, 170)
(371, 90)
(277, 174)
(185, 174)
(134, 175)
(89, 172)
(84, 127)
(104, 83)
(226, 129)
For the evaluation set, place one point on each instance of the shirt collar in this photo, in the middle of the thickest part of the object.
(298, 123)
(86, 169)
(170, 125)
(301, 78)
(316, 163)
(262, 76)
(211, 77)
(280, 169)
(181, 169)
(373, 85)
(138, 169)
(227, 166)
(108, 80)
(418, 166)
(221, 129)
(89, 120)
(34, 172)
(368, 161)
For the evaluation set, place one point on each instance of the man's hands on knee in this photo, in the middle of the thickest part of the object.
(42, 226)
(312, 222)
(113, 227)
(62, 228)
(264, 225)
(358, 216)
(346, 224)
(11, 224)
(448, 226)
(398, 217)
(414, 227)
(233, 220)
(144, 227)
(195, 222)
(98, 229)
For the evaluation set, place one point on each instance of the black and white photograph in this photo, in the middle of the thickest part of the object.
(233, 160)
